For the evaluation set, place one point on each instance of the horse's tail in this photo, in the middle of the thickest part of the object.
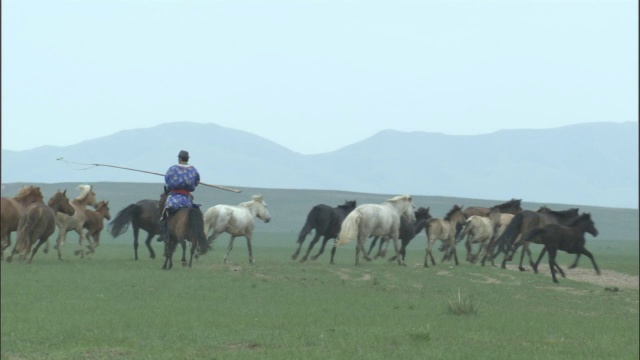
(120, 223)
(306, 229)
(465, 230)
(533, 233)
(195, 229)
(349, 228)
(510, 233)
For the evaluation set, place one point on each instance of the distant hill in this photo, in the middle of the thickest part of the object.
(585, 164)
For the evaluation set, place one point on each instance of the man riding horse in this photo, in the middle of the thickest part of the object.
(181, 180)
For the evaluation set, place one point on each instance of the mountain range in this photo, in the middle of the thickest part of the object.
(584, 164)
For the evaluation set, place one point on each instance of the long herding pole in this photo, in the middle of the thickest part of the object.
(147, 172)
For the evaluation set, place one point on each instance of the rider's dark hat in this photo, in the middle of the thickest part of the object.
(183, 154)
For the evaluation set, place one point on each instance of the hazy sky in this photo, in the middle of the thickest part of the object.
(313, 76)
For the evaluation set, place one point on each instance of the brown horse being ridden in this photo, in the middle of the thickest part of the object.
(445, 231)
(523, 223)
(65, 222)
(12, 208)
(183, 224)
(569, 238)
(38, 223)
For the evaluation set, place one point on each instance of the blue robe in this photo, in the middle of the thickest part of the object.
(181, 177)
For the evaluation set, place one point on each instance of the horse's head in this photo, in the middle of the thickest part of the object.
(349, 205)
(422, 214)
(29, 194)
(60, 202)
(585, 223)
(103, 208)
(262, 212)
(456, 215)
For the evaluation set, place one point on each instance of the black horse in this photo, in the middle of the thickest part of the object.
(408, 231)
(326, 222)
(569, 238)
(522, 223)
(142, 215)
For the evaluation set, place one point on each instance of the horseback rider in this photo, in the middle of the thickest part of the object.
(180, 180)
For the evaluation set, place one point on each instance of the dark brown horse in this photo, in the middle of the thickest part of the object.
(94, 223)
(12, 208)
(184, 224)
(523, 223)
(569, 238)
(325, 221)
(510, 207)
(38, 222)
(142, 215)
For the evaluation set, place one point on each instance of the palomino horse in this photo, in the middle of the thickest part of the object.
(237, 221)
(523, 223)
(478, 230)
(326, 222)
(445, 231)
(183, 224)
(38, 223)
(75, 222)
(569, 238)
(375, 220)
(94, 223)
(408, 230)
(510, 207)
(12, 208)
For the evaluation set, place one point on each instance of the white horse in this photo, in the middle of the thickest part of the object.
(65, 222)
(478, 230)
(375, 220)
(236, 220)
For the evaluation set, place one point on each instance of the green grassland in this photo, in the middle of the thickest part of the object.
(108, 306)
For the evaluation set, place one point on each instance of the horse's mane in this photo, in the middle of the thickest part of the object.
(254, 198)
(579, 219)
(453, 210)
(399, 198)
(508, 204)
(101, 204)
(26, 191)
(350, 204)
(84, 191)
(565, 214)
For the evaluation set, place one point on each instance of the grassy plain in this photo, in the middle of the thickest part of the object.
(108, 306)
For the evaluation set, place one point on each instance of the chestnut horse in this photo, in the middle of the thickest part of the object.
(94, 223)
(38, 223)
(12, 209)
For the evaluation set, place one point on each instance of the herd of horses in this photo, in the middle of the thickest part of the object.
(502, 228)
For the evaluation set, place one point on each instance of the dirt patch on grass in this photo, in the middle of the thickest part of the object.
(607, 278)
(346, 274)
(486, 279)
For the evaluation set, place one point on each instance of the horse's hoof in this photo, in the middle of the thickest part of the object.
(522, 269)
(46, 251)
(294, 256)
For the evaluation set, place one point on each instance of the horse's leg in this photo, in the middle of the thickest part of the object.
(251, 260)
(313, 242)
(399, 257)
(361, 241)
(575, 263)
(552, 261)
(183, 243)
(427, 253)
(229, 248)
(325, 239)
(535, 266)
(590, 256)
(453, 248)
(300, 241)
(525, 248)
(61, 233)
(35, 249)
(193, 251)
(80, 251)
(135, 242)
(147, 242)
(333, 252)
(373, 244)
